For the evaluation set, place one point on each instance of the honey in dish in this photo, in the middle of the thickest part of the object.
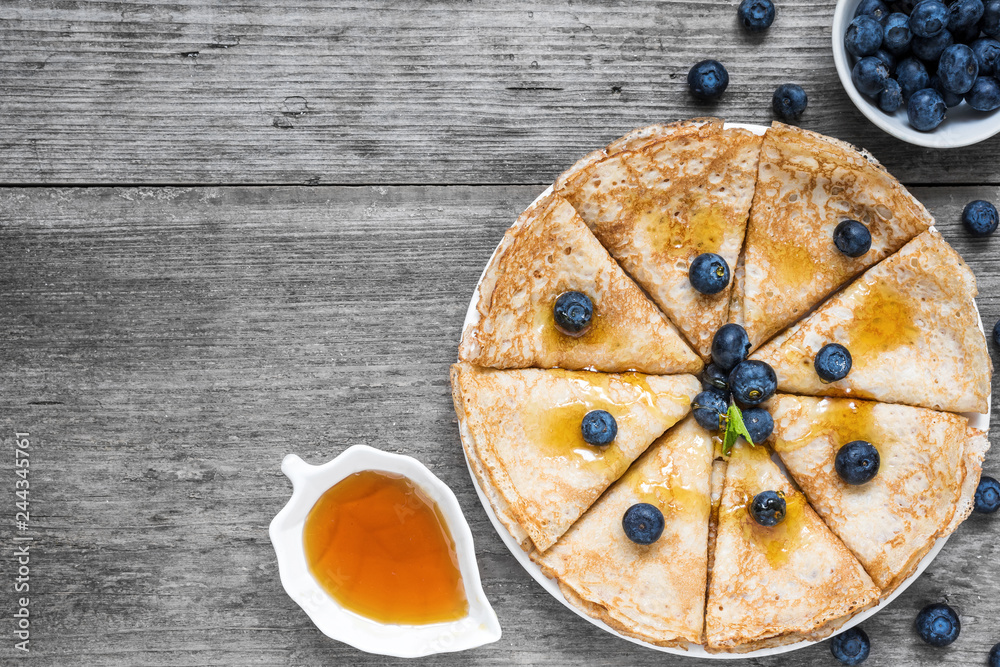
(380, 547)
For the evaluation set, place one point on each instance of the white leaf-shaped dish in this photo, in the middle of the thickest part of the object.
(404, 641)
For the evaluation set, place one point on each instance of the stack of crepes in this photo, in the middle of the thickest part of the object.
(622, 226)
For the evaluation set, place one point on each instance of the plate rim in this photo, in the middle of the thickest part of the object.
(977, 420)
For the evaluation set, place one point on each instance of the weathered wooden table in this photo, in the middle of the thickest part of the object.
(230, 230)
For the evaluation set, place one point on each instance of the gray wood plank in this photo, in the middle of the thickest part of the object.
(165, 348)
(401, 91)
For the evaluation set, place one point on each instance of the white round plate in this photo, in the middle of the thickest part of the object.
(963, 125)
(980, 421)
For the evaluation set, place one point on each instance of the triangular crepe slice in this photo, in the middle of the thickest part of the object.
(892, 521)
(653, 592)
(912, 330)
(522, 430)
(550, 251)
(659, 205)
(807, 184)
(776, 585)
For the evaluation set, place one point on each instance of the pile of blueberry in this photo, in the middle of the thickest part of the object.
(926, 55)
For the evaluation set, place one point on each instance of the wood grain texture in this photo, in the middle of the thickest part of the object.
(396, 91)
(167, 347)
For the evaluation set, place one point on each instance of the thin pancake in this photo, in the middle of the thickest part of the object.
(653, 592)
(658, 204)
(522, 427)
(807, 184)
(892, 521)
(911, 328)
(780, 584)
(550, 251)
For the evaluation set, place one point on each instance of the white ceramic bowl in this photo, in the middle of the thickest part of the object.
(403, 641)
(980, 421)
(963, 125)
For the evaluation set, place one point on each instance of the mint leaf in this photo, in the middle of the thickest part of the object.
(734, 429)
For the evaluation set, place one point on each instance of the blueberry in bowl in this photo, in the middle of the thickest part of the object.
(926, 109)
(929, 18)
(876, 9)
(984, 95)
(891, 97)
(863, 36)
(869, 75)
(958, 68)
(912, 76)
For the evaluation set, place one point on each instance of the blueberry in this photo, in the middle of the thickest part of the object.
(965, 14)
(891, 97)
(996, 334)
(851, 647)
(730, 346)
(709, 407)
(985, 94)
(990, 23)
(888, 59)
(926, 109)
(912, 76)
(599, 427)
(752, 382)
(768, 508)
(573, 312)
(965, 35)
(994, 658)
(708, 80)
(929, 49)
(756, 15)
(987, 52)
(929, 18)
(857, 462)
(987, 495)
(873, 8)
(709, 273)
(863, 37)
(759, 424)
(833, 362)
(938, 624)
(789, 101)
(643, 523)
(852, 238)
(950, 99)
(958, 69)
(897, 34)
(980, 218)
(869, 75)
(714, 377)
